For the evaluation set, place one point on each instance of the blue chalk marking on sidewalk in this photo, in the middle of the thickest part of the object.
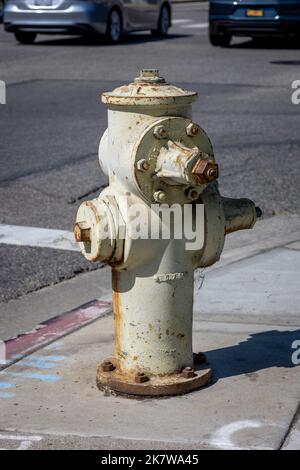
(48, 358)
(6, 395)
(43, 362)
(5, 385)
(56, 345)
(35, 375)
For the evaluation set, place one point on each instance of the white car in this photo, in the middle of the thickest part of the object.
(27, 18)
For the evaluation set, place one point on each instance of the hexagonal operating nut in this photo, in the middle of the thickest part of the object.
(192, 129)
(205, 171)
(82, 232)
(160, 132)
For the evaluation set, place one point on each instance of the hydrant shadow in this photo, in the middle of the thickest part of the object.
(260, 351)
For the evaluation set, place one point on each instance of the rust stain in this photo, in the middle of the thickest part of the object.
(94, 209)
(117, 315)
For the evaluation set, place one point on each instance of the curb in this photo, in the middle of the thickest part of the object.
(53, 329)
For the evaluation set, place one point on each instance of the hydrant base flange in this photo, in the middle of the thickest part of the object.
(158, 386)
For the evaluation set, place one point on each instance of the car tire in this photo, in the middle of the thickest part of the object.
(25, 37)
(1, 10)
(163, 23)
(114, 27)
(221, 39)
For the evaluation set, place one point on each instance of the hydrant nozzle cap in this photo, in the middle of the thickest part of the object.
(149, 89)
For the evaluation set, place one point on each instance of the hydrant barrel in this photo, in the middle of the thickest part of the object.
(153, 320)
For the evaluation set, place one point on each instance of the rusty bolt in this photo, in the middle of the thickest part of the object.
(107, 366)
(192, 129)
(205, 171)
(82, 233)
(191, 194)
(160, 132)
(188, 373)
(143, 165)
(159, 196)
(141, 378)
(200, 358)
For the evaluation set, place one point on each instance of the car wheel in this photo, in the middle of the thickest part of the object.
(221, 39)
(114, 27)
(25, 37)
(163, 23)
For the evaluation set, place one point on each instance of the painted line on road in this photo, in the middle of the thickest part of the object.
(53, 329)
(37, 237)
(181, 21)
(195, 25)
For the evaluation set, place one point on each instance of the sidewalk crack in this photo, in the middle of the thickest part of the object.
(290, 427)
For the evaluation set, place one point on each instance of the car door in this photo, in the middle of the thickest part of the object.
(141, 14)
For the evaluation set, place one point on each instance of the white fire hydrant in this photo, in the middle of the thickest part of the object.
(158, 162)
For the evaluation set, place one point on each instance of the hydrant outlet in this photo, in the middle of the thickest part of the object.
(96, 229)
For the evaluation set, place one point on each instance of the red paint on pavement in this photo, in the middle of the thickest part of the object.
(53, 329)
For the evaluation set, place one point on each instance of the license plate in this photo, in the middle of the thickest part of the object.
(255, 13)
(43, 3)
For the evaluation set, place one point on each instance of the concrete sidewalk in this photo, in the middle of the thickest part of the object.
(247, 320)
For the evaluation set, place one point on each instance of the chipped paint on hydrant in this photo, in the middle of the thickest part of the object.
(156, 157)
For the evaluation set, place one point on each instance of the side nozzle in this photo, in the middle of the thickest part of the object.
(240, 214)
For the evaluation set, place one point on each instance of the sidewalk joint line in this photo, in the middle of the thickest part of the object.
(290, 427)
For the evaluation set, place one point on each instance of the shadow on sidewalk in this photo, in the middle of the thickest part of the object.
(260, 351)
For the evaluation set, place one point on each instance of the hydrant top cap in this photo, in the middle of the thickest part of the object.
(149, 89)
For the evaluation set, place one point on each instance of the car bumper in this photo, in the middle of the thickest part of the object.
(255, 28)
(80, 17)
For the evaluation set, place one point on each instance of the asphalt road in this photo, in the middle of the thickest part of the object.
(52, 122)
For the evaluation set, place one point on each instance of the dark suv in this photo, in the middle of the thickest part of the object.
(252, 18)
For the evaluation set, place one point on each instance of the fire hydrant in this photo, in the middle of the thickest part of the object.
(156, 158)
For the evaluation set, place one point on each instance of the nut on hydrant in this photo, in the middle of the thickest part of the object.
(82, 233)
(162, 179)
(107, 366)
(205, 171)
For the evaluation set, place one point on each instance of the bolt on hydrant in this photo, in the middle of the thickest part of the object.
(162, 179)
